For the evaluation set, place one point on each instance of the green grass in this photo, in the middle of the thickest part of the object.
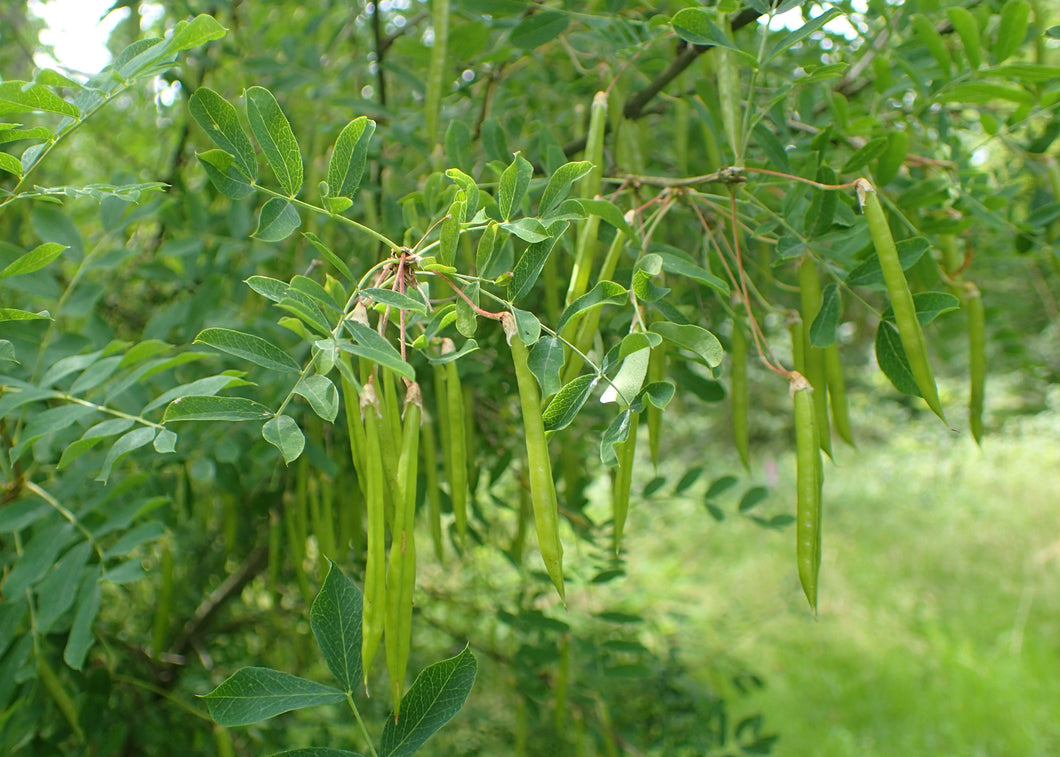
(939, 625)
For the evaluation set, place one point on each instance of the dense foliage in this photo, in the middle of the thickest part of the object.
(397, 288)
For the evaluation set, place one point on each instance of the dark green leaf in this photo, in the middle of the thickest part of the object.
(648, 267)
(720, 486)
(219, 119)
(865, 155)
(434, 698)
(330, 256)
(604, 293)
(752, 497)
(609, 212)
(822, 330)
(546, 362)
(273, 132)
(277, 220)
(80, 640)
(869, 272)
(251, 695)
(616, 433)
(692, 338)
(283, 433)
(695, 25)
(657, 393)
(37, 558)
(375, 347)
(199, 408)
(513, 184)
(559, 185)
(890, 356)
(539, 28)
(321, 394)
(528, 229)
(224, 174)
(532, 261)
(336, 622)
(134, 439)
(249, 347)
(688, 479)
(564, 407)
(346, 167)
(929, 306)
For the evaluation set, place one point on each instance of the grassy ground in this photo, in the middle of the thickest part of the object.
(939, 626)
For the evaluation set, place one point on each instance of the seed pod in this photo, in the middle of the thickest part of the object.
(808, 489)
(837, 394)
(539, 464)
(401, 577)
(375, 567)
(905, 318)
(810, 297)
(973, 303)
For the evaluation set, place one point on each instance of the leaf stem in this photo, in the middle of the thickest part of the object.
(360, 722)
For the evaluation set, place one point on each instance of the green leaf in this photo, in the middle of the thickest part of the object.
(273, 132)
(609, 212)
(33, 260)
(604, 293)
(80, 640)
(753, 497)
(657, 393)
(273, 289)
(11, 164)
(346, 167)
(629, 379)
(527, 325)
(8, 134)
(188, 34)
(434, 699)
(282, 432)
(869, 272)
(219, 119)
(822, 330)
(277, 220)
(539, 28)
(13, 314)
(720, 485)
(513, 184)
(165, 442)
(546, 362)
(133, 440)
(561, 411)
(559, 185)
(794, 37)
(331, 257)
(692, 338)
(466, 317)
(7, 352)
(336, 621)
(680, 266)
(93, 437)
(929, 306)
(532, 261)
(695, 25)
(395, 300)
(204, 387)
(24, 97)
(37, 558)
(986, 93)
(201, 408)
(142, 534)
(932, 40)
(616, 433)
(321, 394)
(890, 356)
(224, 174)
(1027, 72)
(528, 229)
(968, 30)
(251, 695)
(646, 269)
(316, 751)
(249, 347)
(865, 155)
(469, 187)
(373, 346)
(1015, 17)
